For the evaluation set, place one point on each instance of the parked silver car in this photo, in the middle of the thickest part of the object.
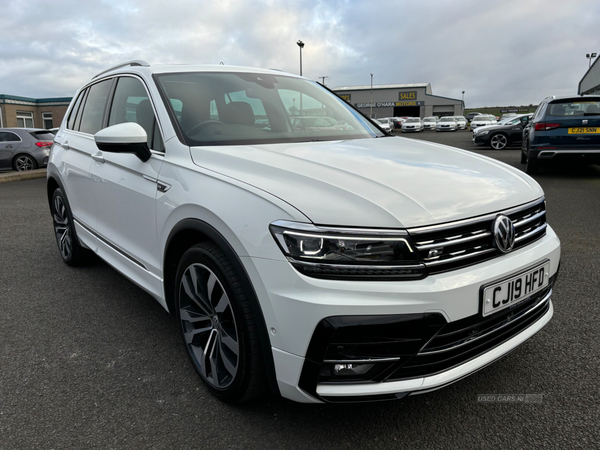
(446, 124)
(386, 123)
(412, 124)
(24, 148)
(429, 123)
(461, 122)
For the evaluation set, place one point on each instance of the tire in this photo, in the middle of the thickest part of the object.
(498, 141)
(532, 165)
(71, 251)
(523, 156)
(24, 162)
(217, 325)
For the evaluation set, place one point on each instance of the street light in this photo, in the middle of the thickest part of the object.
(371, 114)
(301, 45)
(589, 57)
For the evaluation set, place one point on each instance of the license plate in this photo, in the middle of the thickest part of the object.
(584, 130)
(506, 293)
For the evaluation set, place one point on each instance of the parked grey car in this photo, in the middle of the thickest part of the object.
(24, 148)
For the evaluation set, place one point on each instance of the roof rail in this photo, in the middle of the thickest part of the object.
(136, 62)
(550, 97)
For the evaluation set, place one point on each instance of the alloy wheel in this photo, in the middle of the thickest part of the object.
(23, 163)
(498, 141)
(62, 228)
(209, 326)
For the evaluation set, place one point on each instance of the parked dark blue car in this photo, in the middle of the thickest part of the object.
(566, 128)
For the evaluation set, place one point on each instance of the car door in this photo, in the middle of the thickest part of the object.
(9, 144)
(125, 188)
(514, 130)
(76, 145)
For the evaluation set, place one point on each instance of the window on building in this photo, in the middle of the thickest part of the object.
(47, 118)
(24, 119)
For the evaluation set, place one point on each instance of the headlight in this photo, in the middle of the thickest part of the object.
(482, 133)
(351, 254)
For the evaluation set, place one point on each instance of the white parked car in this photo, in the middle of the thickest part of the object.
(412, 124)
(429, 123)
(461, 122)
(386, 124)
(446, 124)
(482, 121)
(328, 266)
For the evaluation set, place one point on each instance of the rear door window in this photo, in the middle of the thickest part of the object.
(73, 114)
(95, 106)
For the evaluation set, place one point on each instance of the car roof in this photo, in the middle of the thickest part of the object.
(572, 97)
(143, 67)
(23, 129)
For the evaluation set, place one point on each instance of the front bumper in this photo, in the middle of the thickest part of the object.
(295, 307)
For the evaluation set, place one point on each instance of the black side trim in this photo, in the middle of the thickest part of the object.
(217, 238)
(110, 244)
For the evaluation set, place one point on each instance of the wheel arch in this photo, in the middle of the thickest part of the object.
(53, 182)
(189, 232)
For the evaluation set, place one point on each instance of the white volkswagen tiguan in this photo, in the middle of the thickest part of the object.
(335, 266)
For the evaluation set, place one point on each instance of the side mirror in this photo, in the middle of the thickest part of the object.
(126, 137)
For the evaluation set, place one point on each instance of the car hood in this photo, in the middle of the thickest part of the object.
(389, 182)
(490, 127)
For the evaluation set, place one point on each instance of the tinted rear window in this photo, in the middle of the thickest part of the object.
(43, 135)
(574, 108)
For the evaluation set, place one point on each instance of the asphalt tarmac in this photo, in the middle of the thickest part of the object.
(89, 360)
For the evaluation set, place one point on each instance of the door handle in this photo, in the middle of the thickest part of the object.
(98, 157)
(9, 146)
(65, 145)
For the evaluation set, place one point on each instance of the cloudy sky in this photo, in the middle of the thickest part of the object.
(503, 52)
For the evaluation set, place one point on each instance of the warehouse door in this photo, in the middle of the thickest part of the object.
(443, 110)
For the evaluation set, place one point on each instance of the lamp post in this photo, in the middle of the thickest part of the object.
(589, 57)
(301, 45)
(371, 114)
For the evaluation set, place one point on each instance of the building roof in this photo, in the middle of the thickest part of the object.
(381, 86)
(14, 99)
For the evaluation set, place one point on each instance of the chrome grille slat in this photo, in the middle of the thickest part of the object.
(479, 235)
(520, 223)
(458, 244)
(531, 233)
(458, 258)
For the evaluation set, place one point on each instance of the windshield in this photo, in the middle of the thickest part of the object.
(412, 120)
(447, 119)
(216, 108)
(428, 119)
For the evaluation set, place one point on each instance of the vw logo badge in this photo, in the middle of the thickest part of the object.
(504, 233)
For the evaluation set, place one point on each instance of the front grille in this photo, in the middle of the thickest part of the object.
(460, 244)
(457, 342)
